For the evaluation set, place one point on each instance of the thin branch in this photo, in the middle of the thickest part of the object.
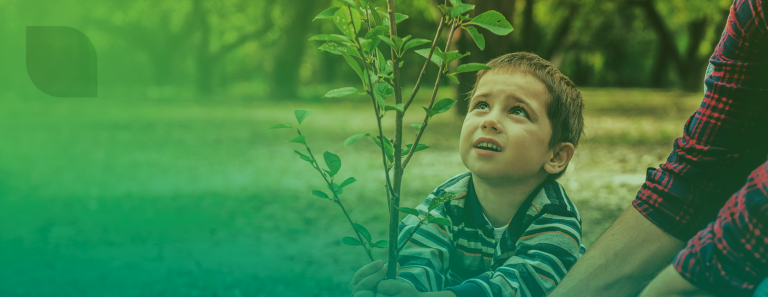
(410, 235)
(431, 102)
(377, 109)
(336, 197)
(424, 69)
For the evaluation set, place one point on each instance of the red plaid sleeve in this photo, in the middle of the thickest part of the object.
(730, 256)
(724, 140)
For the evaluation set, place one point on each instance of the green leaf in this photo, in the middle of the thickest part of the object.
(453, 78)
(445, 9)
(330, 37)
(453, 55)
(351, 241)
(455, 2)
(436, 56)
(340, 92)
(348, 25)
(381, 244)
(460, 9)
(376, 31)
(305, 157)
(335, 188)
(409, 211)
(320, 194)
(377, 18)
(399, 17)
(334, 48)
(363, 231)
(388, 150)
(298, 139)
(347, 182)
(326, 14)
(354, 138)
(440, 221)
(476, 36)
(389, 42)
(437, 201)
(416, 126)
(349, 3)
(278, 126)
(395, 107)
(372, 36)
(471, 67)
(443, 105)
(419, 147)
(414, 43)
(356, 67)
(382, 91)
(493, 21)
(333, 162)
(302, 114)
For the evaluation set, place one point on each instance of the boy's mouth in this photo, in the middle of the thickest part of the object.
(487, 146)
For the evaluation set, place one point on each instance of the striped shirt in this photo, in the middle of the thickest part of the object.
(540, 245)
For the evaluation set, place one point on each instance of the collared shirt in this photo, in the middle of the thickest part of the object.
(723, 142)
(540, 245)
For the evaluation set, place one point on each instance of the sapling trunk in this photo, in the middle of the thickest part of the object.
(394, 213)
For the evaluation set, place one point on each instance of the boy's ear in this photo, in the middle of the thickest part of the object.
(559, 158)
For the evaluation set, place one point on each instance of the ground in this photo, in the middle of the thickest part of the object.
(197, 198)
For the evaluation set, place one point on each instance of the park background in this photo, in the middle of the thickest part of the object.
(168, 183)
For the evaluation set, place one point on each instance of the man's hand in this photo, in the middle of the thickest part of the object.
(669, 283)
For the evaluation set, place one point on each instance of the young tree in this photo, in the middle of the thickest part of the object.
(380, 78)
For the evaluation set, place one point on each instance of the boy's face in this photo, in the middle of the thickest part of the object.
(506, 132)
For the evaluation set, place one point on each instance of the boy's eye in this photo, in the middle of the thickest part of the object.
(482, 105)
(517, 110)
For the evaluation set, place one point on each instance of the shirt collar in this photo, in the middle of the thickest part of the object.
(515, 226)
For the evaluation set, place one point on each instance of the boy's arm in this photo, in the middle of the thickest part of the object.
(424, 259)
(543, 255)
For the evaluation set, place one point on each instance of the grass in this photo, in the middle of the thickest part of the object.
(191, 198)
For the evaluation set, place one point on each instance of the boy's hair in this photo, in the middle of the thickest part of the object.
(565, 106)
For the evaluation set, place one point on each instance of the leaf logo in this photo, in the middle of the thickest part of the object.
(61, 61)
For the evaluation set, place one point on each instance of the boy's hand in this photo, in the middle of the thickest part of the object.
(396, 288)
(367, 278)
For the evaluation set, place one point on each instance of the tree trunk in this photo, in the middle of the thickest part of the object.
(288, 58)
(558, 42)
(528, 38)
(494, 46)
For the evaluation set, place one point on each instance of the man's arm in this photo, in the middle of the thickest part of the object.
(669, 283)
(625, 258)
(722, 143)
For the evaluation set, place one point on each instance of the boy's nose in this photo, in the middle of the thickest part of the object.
(490, 124)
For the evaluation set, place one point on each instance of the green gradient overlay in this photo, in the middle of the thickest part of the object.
(170, 184)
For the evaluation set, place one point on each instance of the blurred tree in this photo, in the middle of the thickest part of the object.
(289, 55)
(171, 34)
(690, 63)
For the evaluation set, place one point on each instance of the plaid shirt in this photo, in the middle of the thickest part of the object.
(539, 246)
(724, 141)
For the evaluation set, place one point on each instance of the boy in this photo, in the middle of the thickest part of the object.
(514, 231)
